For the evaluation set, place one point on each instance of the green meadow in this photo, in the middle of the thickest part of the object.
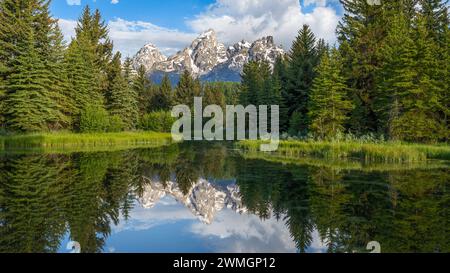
(383, 152)
(72, 142)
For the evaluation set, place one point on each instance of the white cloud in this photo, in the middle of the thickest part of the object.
(233, 20)
(73, 2)
(67, 28)
(130, 36)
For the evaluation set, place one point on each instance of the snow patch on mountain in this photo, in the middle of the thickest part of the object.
(209, 59)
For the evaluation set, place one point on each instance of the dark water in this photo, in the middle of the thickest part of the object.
(209, 198)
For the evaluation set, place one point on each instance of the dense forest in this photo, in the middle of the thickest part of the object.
(388, 75)
(47, 85)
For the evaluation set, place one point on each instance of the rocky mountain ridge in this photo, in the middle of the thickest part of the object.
(207, 58)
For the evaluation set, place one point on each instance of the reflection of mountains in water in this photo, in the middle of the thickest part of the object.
(203, 199)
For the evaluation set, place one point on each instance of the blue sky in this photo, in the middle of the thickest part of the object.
(173, 24)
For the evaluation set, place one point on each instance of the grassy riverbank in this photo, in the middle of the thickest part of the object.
(84, 142)
(383, 152)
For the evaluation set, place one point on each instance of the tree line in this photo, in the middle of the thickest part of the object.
(388, 75)
(48, 85)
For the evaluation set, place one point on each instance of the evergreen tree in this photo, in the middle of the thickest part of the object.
(50, 46)
(28, 104)
(165, 90)
(303, 59)
(161, 96)
(121, 98)
(143, 88)
(280, 79)
(2, 96)
(256, 85)
(92, 27)
(329, 103)
(421, 120)
(361, 33)
(187, 88)
(213, 95)
(434, 16)
(26, 25)
(397, 76)
(83, 86)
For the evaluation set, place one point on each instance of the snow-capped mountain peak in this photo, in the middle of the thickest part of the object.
(207, 58)
(148, 56)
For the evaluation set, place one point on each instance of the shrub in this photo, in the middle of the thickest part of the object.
(94, 118)
(157, 122)
(116, 124)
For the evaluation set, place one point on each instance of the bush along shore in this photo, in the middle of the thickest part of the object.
(380, 152)
(86, 141)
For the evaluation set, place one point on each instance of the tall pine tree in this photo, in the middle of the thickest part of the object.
(162, 96)
(361, 33)
(303, 59)
(27, 35)
(187, 88)
(143, 88)
(329, 103)
(121, 98)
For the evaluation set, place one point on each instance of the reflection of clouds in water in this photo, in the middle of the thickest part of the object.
(317, 246)
(229, 232)
(232, 232)
(165, 212)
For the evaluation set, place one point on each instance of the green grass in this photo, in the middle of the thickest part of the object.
(345, 164)
(387, 152)
(83, 142)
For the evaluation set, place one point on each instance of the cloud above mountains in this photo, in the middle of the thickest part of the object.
(233, 20)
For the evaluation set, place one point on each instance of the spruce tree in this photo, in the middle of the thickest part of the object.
(256, 84)
(30, 22)
(423, 108)
(161, 99)
(121, 98)
(81, 74)
(279, 82)
(303, 58)
(28, 105)
(50, 46)
(396, 80)
(361, 33)
(329, 103)
(2, 96)
(213, 95)
(143, 88)
(91, 26)
(166, 91)
(187, 88)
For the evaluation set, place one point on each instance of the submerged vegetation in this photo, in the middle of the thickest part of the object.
(84, 142)
(382, 152)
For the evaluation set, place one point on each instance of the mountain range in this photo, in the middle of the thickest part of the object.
(206, 58)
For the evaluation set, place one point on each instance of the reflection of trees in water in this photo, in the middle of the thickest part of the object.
(188, 164)
(44, 196)
(404, 210)
(31, 201)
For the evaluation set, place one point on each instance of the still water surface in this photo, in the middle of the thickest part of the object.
(211, 198)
